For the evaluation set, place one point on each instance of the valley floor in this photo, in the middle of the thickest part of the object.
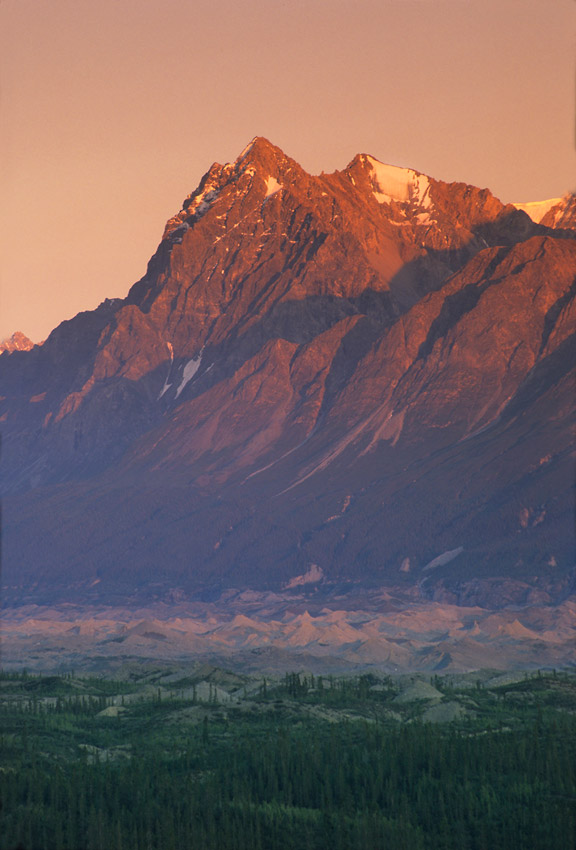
(274, 633)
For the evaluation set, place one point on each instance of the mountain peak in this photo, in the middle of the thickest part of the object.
(390, 182)
(260, 157)
(258, 149)
(17, 342)
(264, 158)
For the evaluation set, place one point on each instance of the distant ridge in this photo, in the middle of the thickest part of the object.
(17, 342)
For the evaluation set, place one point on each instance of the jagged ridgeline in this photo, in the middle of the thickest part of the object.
(353, 380)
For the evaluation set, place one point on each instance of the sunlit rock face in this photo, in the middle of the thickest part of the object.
(323, 384)
(17, 342)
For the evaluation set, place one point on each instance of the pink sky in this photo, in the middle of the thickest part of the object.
(111, 111)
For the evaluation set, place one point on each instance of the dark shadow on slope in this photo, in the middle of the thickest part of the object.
(64, 360)
(553, 314)
(300, 321)
(551, 370)
(456, 305)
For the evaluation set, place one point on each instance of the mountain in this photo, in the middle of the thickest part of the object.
(17, 342)
(323, 385)
(558, 213)
(562, 214)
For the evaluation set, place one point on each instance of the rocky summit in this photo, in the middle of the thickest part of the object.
(324, 385)
(17, 342)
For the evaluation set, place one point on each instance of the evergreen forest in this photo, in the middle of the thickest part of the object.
(217, 761)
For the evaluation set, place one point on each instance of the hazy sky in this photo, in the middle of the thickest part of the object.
(111, 111)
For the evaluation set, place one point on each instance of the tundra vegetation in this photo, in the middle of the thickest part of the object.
(157, 758)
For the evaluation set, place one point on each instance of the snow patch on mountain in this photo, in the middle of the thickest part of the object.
(164, 389)
(538, 209)
(178, 233)
(392, 183)
(246, 151)
(202, 202)
(193, 208)
(189, 371)
(272, 186)
(444, 558)
(313, 575)
(167, 384)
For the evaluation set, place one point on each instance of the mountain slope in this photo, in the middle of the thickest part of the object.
(368, 371)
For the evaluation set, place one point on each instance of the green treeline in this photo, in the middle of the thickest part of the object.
(73, 780)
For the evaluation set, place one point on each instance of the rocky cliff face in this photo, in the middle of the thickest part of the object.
(362, 377)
